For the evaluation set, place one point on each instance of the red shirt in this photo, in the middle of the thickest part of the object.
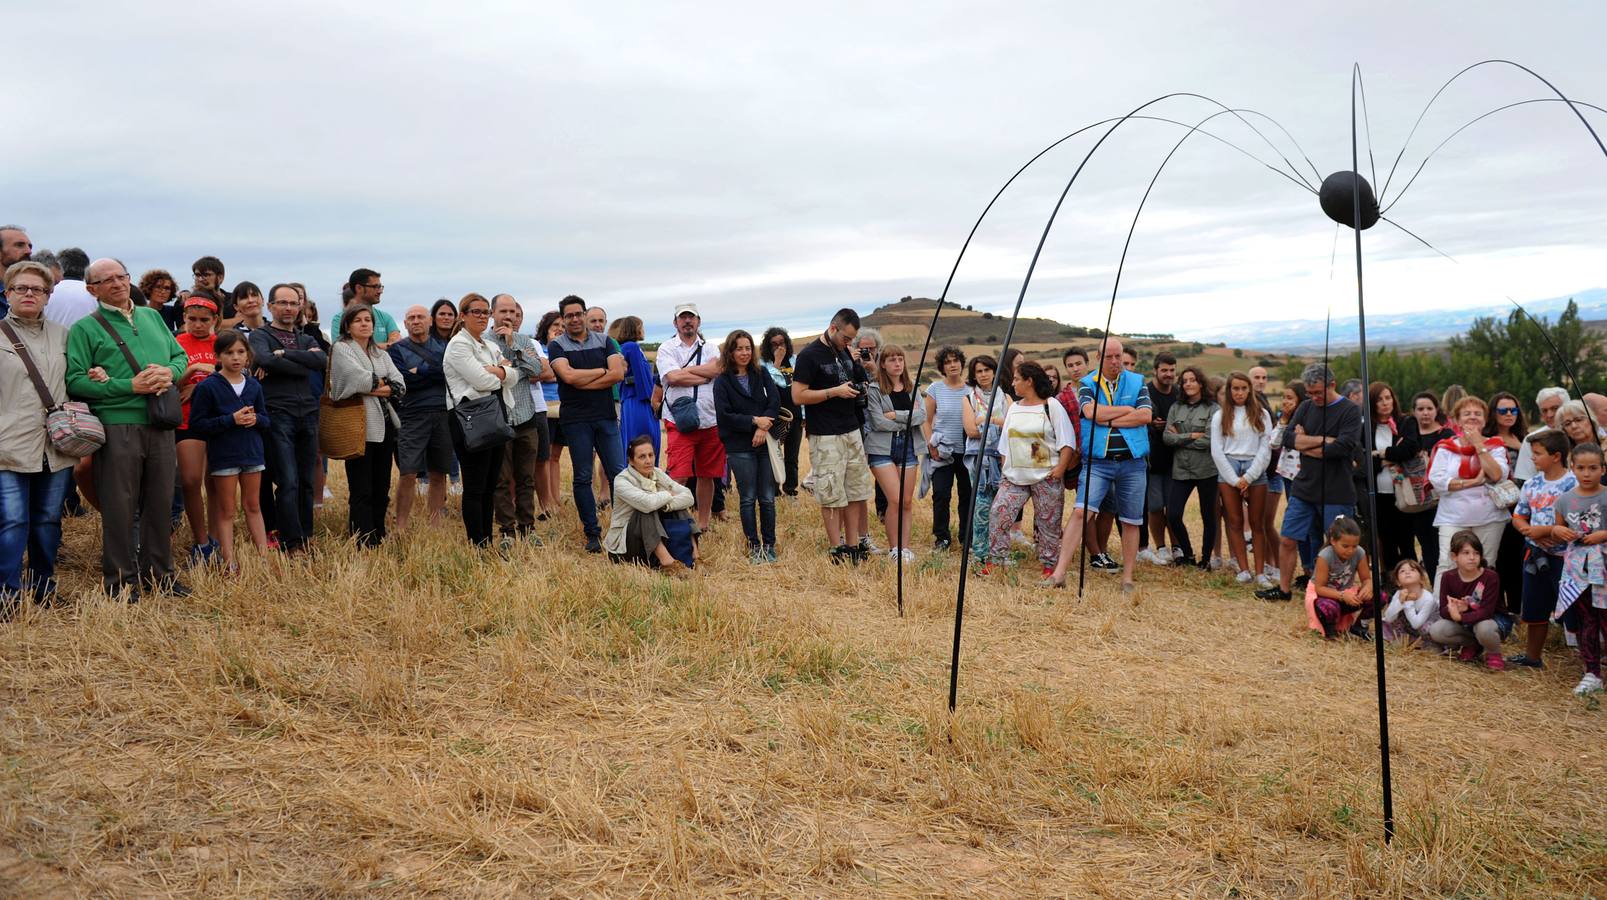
(198, 350)
(1068, 399)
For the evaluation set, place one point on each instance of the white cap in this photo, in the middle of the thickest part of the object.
(686, 308)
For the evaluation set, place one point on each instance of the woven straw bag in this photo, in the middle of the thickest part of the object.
(342, 424)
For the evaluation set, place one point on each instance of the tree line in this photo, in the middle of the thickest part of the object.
(1511, 354)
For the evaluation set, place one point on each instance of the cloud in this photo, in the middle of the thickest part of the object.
(775, 165)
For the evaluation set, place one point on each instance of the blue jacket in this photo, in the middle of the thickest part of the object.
(212, 408)
(1129, 388)
(426, 387)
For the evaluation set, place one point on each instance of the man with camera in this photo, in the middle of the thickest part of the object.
(827, 379)
(692, 449)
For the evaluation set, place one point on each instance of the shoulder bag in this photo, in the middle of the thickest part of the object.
(684, 410)
(163, 410)
(70, 426)
(484, 421)
(342, 424)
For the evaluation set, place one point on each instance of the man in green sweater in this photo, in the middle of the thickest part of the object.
(135, 468)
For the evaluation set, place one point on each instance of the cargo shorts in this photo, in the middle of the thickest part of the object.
(842, 476)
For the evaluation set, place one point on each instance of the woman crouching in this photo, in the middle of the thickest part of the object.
(644, 497)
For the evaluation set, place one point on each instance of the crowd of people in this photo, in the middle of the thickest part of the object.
(157, 406)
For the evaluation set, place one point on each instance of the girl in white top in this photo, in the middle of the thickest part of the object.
(1035, 444)
(475, 369)
(1413, 607)
(1241, 446)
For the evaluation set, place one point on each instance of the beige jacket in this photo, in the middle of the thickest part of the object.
(24, 446)
(636, 494)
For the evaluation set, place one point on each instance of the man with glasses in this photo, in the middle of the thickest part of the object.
(366, 288)
(587, 369)
(14, 247)
(207, 273)
(135, 468)
(424, 443)
(688, 365)
(829, 381)
(287, 358)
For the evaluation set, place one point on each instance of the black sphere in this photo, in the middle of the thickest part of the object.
(1338, 199)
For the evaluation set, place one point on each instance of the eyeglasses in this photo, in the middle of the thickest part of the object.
(113, 279)
(477, 313)
(376, 288)
(1506, 410)
(27, 290)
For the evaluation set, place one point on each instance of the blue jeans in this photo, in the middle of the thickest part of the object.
(750, 469)
(30, 519)
(292, 461)
(1307, 525)
(584, 438)
(1123, 479)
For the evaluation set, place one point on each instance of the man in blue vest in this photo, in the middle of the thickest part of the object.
(1116, 413)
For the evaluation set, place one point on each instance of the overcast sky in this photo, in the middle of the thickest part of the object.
(773, 166)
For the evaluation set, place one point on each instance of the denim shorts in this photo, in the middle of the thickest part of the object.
(1123, 480)
(1241, 466)
(1274, 482)
(1308, 522)
(877, 460)
(238, 470)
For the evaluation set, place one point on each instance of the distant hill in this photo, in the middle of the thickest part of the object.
(1424, 328)
(906, 322)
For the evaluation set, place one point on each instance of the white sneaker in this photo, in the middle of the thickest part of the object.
(908, 554)
(1146, 556)
(1232, 565)
(1163, 557)
(329, 494)
(1590, 684)
(456, 489)
(422, 488)
(1242, 578)
(1177, 554)
(1269, 570)
(1263, 581)
(1217, 563)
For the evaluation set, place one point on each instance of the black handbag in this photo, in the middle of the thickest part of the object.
(484, 422)
(163, 410)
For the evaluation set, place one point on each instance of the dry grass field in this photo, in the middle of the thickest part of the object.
(425, 719)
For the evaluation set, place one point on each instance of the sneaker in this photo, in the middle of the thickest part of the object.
(756, 556)
(1301, 581)
(1262, 582)
(1216, 563)
(908, 555)
(1242, 578)
(1147, 556)
(1468, 654)
(1186, 560)
(170, 586)
(593, 544)
(329, 494)
(868, 546)
(1274, 594)
(770, 553)
(1163, 557)
(1494, 662)
(1590, 684)
(1358, 629)
(1524, 660)
(940, 545)
(841, 553)
(1103, 562)
(1270, 571)
(1177, 555)
(455, 489)
(421, 487)
(201, 554)
(857, 555)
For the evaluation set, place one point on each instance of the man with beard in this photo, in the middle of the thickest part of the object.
(14, 247)
(1162, 393)
(687, 365)
(287, 359)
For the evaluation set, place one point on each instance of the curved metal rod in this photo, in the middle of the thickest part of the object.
(1356, 83)
(1110, 313)
(1408, 186)
(1372, 483)
(1545, 335)
(1488, 62)
(959, 610)
(931, 330)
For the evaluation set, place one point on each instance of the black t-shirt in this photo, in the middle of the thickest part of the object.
(820, 367)
(1326, 479)
(902, 401)
(1160, 455)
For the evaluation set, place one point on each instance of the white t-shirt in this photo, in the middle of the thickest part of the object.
(1470, 506)
(536, 393)
(1031, 441)
(672, 355)
(68, 303)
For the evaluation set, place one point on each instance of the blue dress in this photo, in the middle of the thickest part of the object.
(636, 398)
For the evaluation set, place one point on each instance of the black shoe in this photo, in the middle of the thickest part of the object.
(857, 555)
(940, 545)
(1358, 629)
(170, 586)
(1185, 560)
(1522, 659)
(1301, 581)
(593, 545)
(1274, 595)
(841, 553)
(1103, 562)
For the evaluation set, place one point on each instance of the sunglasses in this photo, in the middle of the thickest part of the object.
(1506, 410)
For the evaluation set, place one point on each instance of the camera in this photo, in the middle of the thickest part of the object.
(862, 398)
